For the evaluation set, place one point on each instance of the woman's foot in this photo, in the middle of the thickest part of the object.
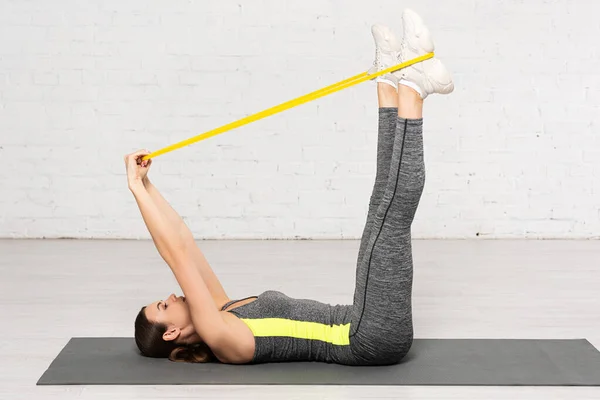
(387, 49)
(429, 76)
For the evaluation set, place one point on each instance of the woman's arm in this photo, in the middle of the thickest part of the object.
(212, 282)
(170, 241)
(175, 251)
(207, 319)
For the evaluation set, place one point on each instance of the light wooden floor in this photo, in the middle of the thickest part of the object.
(52, 290)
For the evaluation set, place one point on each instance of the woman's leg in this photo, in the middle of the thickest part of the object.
(381, 330)
(387, 97)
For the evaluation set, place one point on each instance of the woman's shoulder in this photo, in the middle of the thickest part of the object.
(242, 339)
(274, 293)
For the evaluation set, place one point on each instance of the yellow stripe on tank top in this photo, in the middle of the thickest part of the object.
(334, 334)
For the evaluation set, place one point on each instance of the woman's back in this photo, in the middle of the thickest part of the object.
(288, 329)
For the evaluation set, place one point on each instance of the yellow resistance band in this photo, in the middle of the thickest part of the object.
(365, 76)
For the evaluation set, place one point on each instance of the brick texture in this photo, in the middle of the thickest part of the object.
(513, 153)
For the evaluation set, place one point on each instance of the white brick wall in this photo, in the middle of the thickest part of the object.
(514, 152)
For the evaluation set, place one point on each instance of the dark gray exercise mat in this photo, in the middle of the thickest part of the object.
(491, 362)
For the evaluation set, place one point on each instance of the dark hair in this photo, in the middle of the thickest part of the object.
(149, 339)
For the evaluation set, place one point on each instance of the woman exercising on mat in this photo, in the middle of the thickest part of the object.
(377, 328)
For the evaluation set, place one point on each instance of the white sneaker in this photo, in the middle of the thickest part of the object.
(431, 76)
(387, 50)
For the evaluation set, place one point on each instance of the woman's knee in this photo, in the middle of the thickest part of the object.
(381, 350)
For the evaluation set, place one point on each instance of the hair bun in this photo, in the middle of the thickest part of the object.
(195, 353)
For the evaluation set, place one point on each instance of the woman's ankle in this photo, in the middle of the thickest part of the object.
(387, 95)
(410, 103)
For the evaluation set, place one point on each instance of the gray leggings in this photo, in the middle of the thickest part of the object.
(381, 331)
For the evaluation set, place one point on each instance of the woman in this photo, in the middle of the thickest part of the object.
(376, 329)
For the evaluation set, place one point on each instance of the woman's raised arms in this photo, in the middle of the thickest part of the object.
(221, 335)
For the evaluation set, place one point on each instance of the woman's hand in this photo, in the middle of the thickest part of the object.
(136, 168)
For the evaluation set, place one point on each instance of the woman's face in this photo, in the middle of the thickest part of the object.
(172, 312)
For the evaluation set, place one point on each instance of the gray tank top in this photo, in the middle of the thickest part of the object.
(287, 329)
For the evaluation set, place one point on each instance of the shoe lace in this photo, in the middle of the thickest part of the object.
(401, 51)
(377, 61)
